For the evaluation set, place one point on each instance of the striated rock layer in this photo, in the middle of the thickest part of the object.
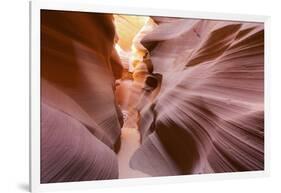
(209, 114)
(80, 120)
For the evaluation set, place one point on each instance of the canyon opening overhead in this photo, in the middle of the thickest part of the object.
(126, 96)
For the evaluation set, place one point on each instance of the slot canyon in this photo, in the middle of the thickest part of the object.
(126, 96)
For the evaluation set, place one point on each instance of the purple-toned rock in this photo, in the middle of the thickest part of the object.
(80, 120)
(69, 152)
(209, 113)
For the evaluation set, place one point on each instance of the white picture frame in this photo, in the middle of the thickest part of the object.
(83, 6)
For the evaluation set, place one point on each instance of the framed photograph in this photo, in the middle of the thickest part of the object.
(123, 96)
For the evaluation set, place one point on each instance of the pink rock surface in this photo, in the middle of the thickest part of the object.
(69, 152)
(80, 120)
(209, 115)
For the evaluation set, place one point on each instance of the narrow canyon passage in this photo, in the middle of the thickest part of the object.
(126, 96)
(130, 142)
(130, 135)
(130, 88)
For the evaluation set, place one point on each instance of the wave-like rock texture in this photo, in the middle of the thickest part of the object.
(209, 115)
(80, 120)
(70, 152)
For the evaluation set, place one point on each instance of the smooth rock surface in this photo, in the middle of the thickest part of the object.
(81, 122)
(209, 114)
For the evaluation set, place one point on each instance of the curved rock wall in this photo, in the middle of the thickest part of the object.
(80, 120)
(209, 115)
